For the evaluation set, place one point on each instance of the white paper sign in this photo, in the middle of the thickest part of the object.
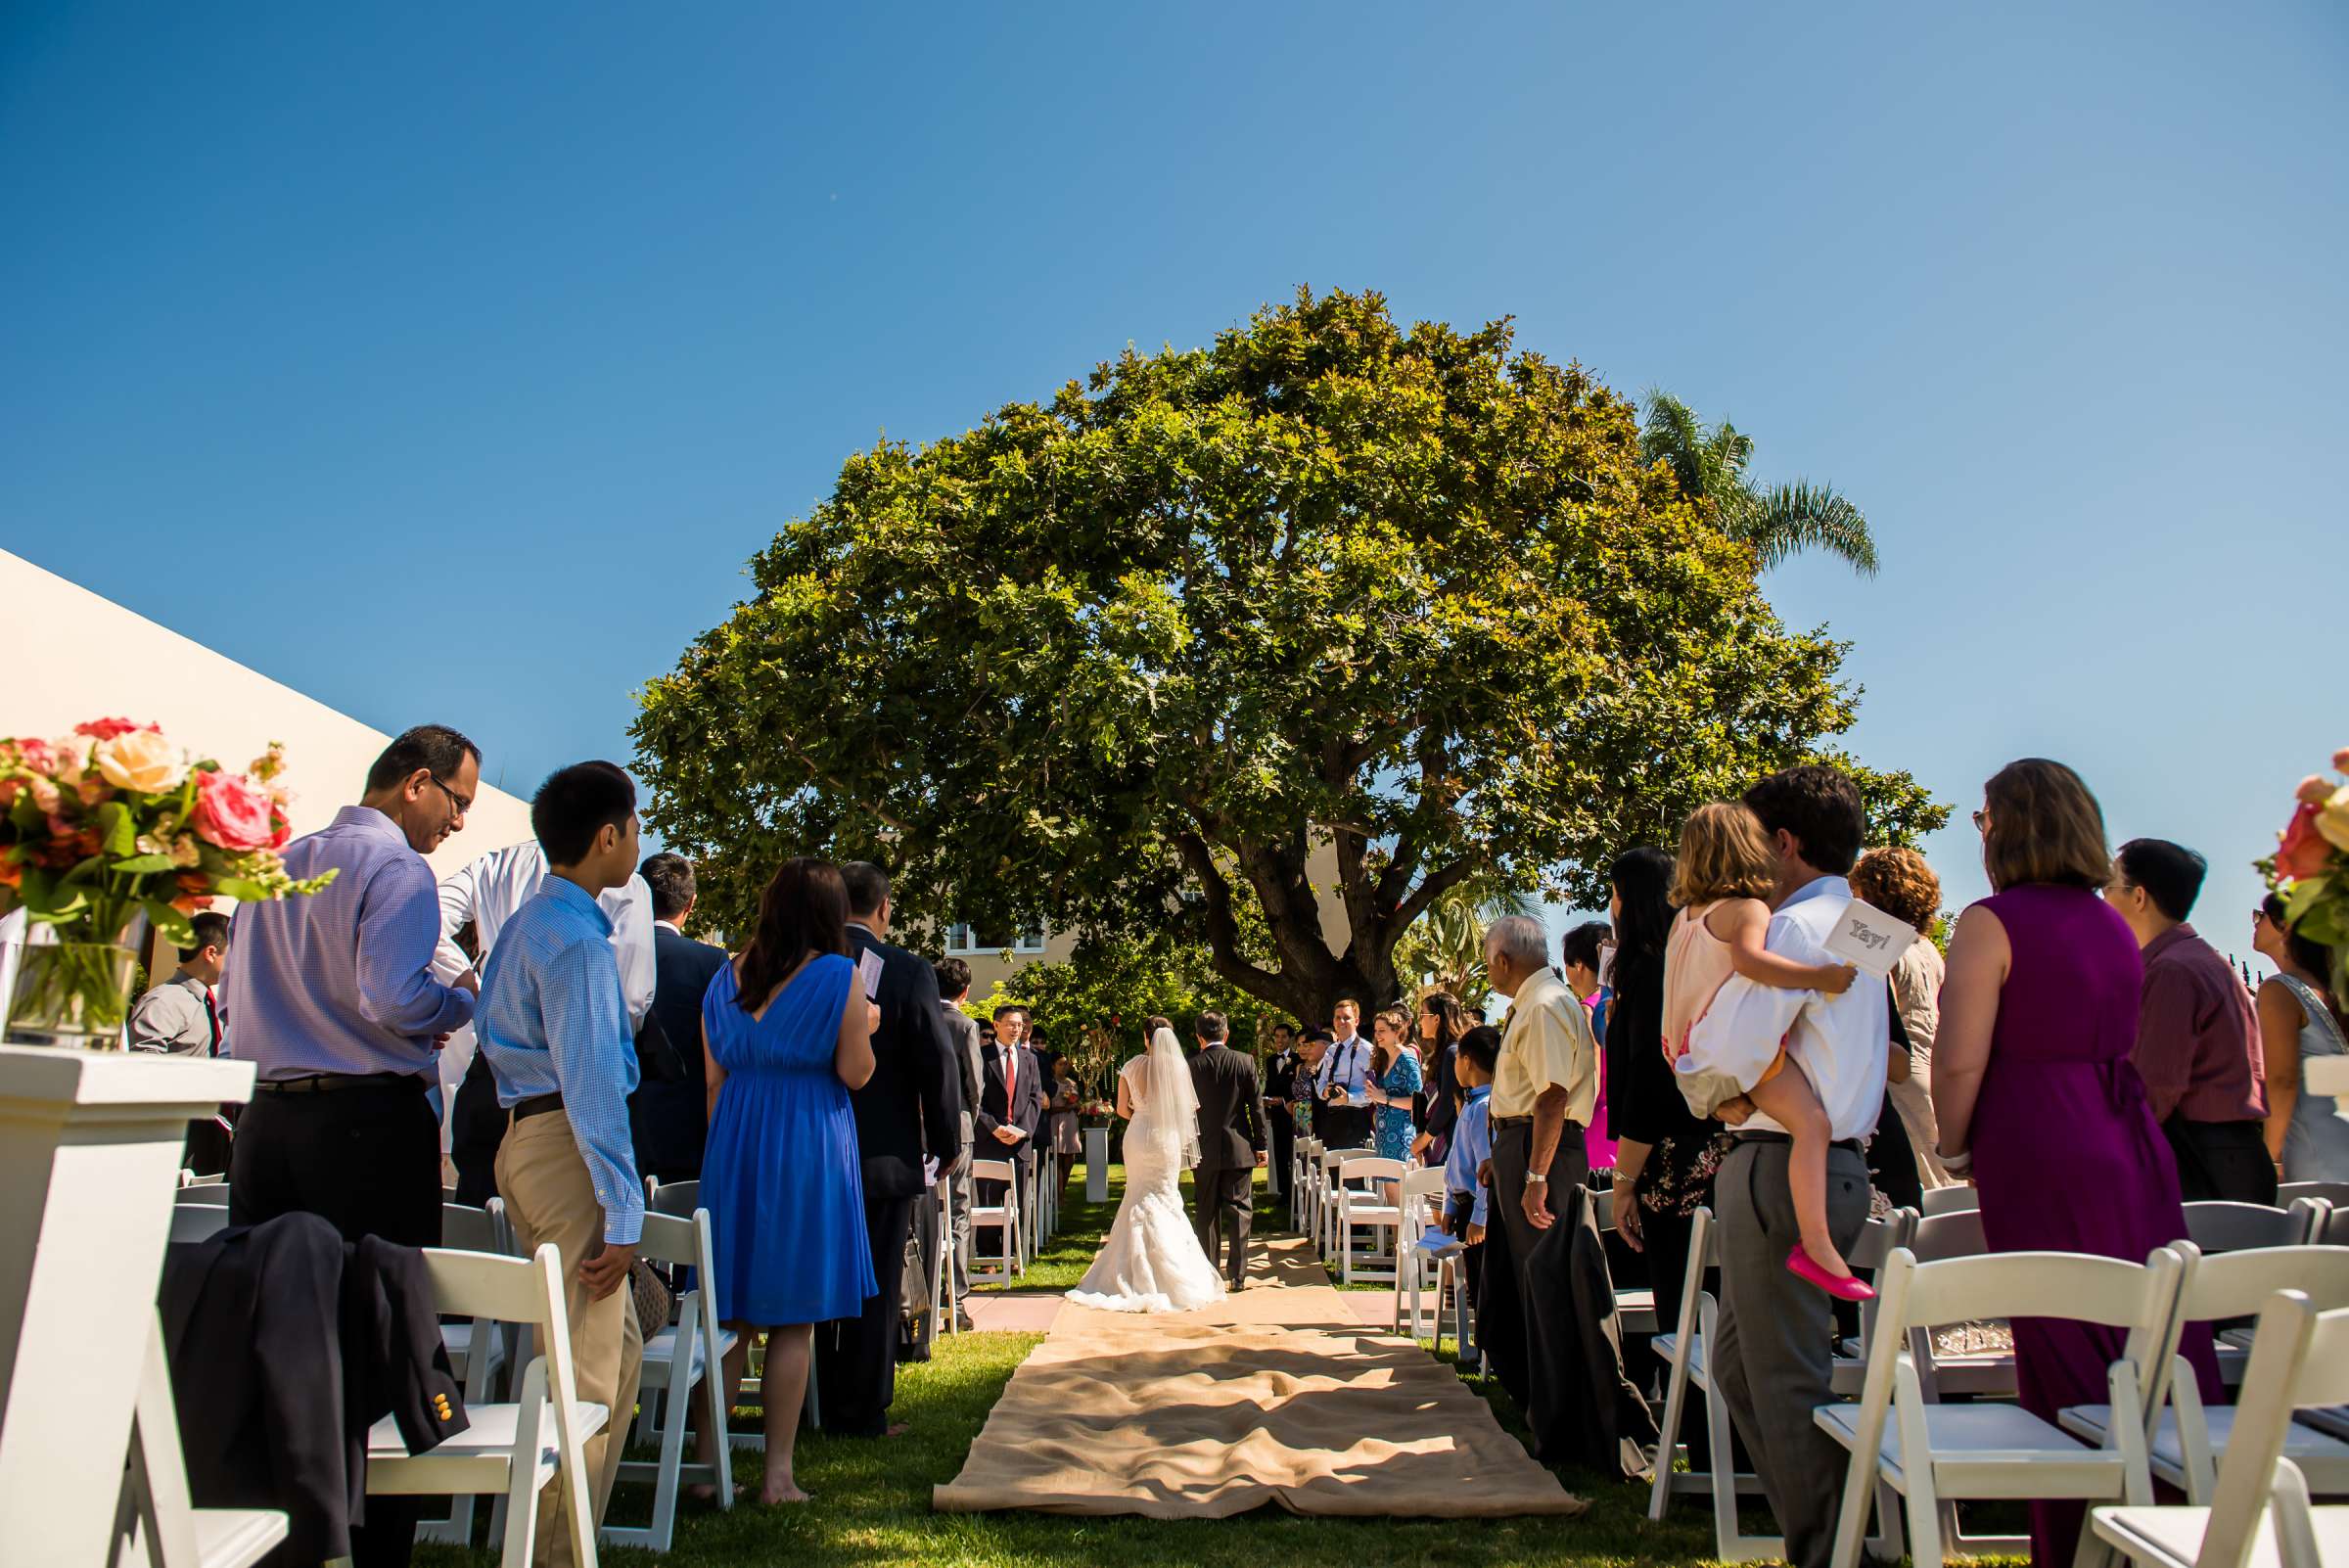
(1869, 938)
(868, 970)
(1606, 963)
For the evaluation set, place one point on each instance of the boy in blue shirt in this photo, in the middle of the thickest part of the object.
(1467, 1167)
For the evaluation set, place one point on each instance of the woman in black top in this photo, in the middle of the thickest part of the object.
(1665, 1155)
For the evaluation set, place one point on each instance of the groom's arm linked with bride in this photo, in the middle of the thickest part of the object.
(1231, 1145)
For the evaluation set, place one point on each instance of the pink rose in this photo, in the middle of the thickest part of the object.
(2303, 851)
(107, 730)
(2313, 791)
(230, 812)
(38, 754)
(2340, 760)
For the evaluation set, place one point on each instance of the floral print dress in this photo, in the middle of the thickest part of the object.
(1395, 1132)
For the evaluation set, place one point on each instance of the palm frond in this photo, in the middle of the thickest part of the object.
(1802, 516)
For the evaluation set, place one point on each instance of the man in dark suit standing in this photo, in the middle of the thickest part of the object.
(670, 1117)
(911, 1107)
(1232, 1143)
(1011, 1105)
(1280, 1085)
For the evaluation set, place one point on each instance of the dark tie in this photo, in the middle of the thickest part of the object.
(212, 1013)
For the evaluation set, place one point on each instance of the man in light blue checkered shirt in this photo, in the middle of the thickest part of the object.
(554, 1026)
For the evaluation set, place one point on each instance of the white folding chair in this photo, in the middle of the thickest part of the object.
(203, 1194)
(514, 1451)
(2217, 1227)
(1635, 1305)
(1362, 1206)
(1002, 1216)
(164, 1528)
(2335, 1193)
(1948, 1372)
(676, 1199)
(464, 1228)
(1951, 1200)
(942, 1279)
(679, 1361)
(1417, 1260)
(2186, 1436)
(197, 1221)
(1936, 1455)
(1325, 1223)
(2300, 1359)
(1304, 1170)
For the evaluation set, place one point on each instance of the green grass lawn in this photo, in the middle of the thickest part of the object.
(873, 1498)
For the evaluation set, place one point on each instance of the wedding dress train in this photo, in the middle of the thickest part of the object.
(1152, 1261)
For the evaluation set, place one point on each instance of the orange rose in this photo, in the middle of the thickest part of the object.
(2303, 851)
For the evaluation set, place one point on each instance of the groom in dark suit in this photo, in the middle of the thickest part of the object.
(911, 1107)
(1232, 1143)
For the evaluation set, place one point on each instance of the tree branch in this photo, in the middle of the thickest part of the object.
(1431, 888)
(1223, 930)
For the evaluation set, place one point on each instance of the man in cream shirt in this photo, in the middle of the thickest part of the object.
(1770, 1348)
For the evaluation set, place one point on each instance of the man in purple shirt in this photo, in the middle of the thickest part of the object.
(334, 1002)
(2197, 1037)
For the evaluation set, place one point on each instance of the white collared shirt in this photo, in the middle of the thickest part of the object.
(1840, 1042)
(488, 890)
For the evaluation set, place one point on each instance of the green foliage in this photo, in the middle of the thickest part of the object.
(1126, 660)
(1777, 521)
(1092, 1004)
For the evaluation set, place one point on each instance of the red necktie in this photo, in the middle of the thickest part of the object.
(1011, 1076)
(212, 1013)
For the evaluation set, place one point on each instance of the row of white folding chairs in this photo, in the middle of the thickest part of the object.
(1953, 1199)
(1934, 1454)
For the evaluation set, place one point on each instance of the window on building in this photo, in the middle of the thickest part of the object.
(989, 936)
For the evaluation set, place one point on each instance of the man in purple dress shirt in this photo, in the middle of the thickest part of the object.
(2198, 1036)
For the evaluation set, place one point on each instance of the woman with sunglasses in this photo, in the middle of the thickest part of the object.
(2299, 1017)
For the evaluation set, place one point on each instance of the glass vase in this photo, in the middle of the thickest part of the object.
(75, 994)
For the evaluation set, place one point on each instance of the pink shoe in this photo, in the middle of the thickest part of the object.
(1844, 1288)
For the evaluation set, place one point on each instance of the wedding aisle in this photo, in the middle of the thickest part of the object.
(1275, 1395)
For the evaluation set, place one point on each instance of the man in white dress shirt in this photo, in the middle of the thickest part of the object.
(1342, 1121)
(1772, 1348)
(486, 893)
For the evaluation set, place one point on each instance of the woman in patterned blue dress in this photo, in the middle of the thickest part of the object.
(786, 1033)
(1396, 1076)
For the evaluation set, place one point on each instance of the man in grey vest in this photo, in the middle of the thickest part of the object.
(953, 989)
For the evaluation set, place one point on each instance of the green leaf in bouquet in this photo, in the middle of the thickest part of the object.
(115, 833)
(172, 926)
(2303, 898)
(25, 817)
(240, 888)
(139, 865)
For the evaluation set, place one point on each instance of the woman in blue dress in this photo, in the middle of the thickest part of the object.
(1396, 1076)
(786, 1033)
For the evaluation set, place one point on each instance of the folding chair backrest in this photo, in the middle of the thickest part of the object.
(667, 1239)
(512, 1290)
(201, 1195)
(1700, 1257)
(1881, 1237)
(2071, 1286)
(197, 1221)
(194, 1181)
(2238, 1284)
(993, 1171)
(1370, 1167)
(2241, 1226)
(1951, 1200)
(676, 1199)
(2335, 1193)
(1940, 1237)
(2299, 1358)
(2333, 1225)
(1330, 1157)
(469, 1229)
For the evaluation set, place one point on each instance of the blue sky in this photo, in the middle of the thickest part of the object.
(448, 362)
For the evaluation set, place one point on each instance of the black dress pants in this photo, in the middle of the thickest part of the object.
(367, 1160)
(857, 1358)
(1283, 1126)
(1226, 1200)
(2222, 1162)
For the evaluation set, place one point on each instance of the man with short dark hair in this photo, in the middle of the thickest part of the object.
(181, 1016)
(668, 1118)
(1280, 1085)
(964, 1031)
(1771, 1343)
(1341, 1104)
(1231, 1145)
(1011, 1106)
(2197, 1034)
(554, 1028)
(334, 1000)
(910, 1109)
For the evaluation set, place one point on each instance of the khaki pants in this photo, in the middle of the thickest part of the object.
(549, 1198)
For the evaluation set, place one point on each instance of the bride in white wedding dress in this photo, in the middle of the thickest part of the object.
(1152, 1261)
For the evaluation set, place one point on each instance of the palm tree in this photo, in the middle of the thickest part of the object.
(1777, 522)
(1445, 948)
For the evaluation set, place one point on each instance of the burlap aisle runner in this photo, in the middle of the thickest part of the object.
(1275, 1396)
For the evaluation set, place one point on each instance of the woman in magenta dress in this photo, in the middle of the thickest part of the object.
(2032, 1082)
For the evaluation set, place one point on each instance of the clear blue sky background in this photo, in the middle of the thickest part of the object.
(448, 362)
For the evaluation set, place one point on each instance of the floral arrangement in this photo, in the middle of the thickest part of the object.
(113, 822)
(2310, 867)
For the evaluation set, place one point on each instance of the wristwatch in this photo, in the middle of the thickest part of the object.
(1537, 1178)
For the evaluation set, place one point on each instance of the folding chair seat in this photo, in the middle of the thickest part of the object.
(1362, 1206)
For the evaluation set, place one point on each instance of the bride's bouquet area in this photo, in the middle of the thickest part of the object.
(2310, 867)
(114, 829)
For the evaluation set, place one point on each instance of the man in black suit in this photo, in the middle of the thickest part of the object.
(1011, 1106)
(1280, 1084)
(911, 1107)
(1232, 1143)
(668, 1118)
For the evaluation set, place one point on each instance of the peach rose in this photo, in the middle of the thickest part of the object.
(141, 760)
(2333, 819)
(230, 812)
(2340, 760)
(2303, 851)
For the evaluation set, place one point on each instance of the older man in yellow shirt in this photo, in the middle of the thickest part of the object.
(1545, 1085)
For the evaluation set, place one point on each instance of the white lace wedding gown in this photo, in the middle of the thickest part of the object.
(1152, 1261)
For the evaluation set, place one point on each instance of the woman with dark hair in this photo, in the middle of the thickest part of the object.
(786, 1034)
(2299, 1017)
(2034, 1090)
(1440, 1026)
(1665, 1156)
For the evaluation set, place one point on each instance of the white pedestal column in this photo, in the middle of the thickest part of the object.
(89, 1152)
(1096, 1165)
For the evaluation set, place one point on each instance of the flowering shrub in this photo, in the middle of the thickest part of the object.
(2311, 864)
(114, 820)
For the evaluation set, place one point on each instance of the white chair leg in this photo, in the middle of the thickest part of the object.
(1668, 1442)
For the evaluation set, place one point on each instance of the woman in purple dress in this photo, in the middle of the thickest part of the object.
(2032, 1083)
